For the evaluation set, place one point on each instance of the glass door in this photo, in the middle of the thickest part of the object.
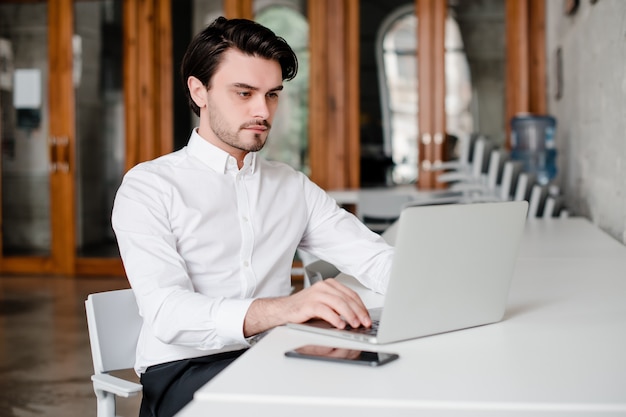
(100, 129)
(25, 169)
(62, 132)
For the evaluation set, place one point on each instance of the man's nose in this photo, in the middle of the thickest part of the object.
(261, 109)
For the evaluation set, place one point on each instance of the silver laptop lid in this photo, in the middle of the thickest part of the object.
(452, 268)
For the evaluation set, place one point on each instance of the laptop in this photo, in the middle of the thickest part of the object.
(452, 269)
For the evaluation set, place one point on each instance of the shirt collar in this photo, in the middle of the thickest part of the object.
(216, 158)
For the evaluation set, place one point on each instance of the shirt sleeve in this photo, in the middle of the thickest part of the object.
(171, 309)
(339, 237)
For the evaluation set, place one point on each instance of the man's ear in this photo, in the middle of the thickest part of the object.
(197, 91)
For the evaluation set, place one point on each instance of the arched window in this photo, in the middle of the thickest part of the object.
(396, 54)
(288, 141)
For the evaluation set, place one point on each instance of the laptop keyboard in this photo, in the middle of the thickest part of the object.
(365, 330)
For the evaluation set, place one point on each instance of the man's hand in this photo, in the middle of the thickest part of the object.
(328, 300)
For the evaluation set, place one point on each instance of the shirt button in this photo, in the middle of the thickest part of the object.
(246, 264)
(244, 218)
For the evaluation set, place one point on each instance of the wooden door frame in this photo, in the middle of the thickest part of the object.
(431, 16)
(148, 123)
(334, 145)
(525, 74)
(148, 98)
(61, 98)
(61, 136)
(148, 84)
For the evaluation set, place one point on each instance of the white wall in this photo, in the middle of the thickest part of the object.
(591, 112)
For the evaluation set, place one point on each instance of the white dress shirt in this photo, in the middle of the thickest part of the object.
(201, 239)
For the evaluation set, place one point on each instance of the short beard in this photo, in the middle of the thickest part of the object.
(230, 138)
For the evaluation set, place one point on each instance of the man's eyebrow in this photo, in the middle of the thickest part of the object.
(249, 87)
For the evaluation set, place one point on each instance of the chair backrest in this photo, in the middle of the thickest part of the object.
(377, 210)
(478, 157)
(522, 186)
(536, 201)
(318, 271)
(493, 170)
(114, 324)
(510, 173)
(549, 208)
(507, 180)
(465, 145)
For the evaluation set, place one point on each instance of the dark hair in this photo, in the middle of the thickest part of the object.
(204, 53)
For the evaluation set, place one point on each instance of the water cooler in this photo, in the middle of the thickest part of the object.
(532, 143)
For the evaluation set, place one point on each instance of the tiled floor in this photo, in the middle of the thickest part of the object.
(45, 358)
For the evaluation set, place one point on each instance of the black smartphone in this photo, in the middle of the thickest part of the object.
(343, 355)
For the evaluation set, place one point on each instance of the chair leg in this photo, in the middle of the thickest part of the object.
(105, 403)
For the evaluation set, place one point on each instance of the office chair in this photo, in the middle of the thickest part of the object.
(317, 271)
(378, 211)
(114, 323)
(493, 186)
(545, 202)
(466, 171)
(536, 201)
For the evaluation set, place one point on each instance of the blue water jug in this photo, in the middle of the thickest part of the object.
(532, 143)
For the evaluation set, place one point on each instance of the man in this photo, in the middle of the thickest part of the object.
(208, 233)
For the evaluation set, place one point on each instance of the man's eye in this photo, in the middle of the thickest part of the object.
(243, 94)
(272, 95)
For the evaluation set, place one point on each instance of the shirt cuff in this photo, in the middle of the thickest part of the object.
(230, 318)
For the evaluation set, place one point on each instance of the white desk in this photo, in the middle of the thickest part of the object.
(351, 195)
(573, 237)
(560, 350)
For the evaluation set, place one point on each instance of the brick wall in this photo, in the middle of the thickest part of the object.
(591, 109)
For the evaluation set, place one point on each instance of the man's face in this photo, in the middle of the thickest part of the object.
(241, 103)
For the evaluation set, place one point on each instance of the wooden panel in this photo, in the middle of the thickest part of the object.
(99, 267)
(439, 87)
(334, 143)
(146, 86)
(425, 75)
(537, 55)
(238, 9)
(131, 83)
(28, 265)
(336, 101)
(318, 82)
(165, 77)
(517, 67)
(353, 133)
(526, 61)
(62, 121)
(147, 80)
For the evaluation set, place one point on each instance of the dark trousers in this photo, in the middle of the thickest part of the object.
(168, 387)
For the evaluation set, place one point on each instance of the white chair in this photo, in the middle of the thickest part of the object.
(522, 187)
(466, 172)
(377, 210)
(463, 163)
(114, 323)
(554, 205)
(510, 171)
(485, 188)
(536, 200)
(317, 271)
